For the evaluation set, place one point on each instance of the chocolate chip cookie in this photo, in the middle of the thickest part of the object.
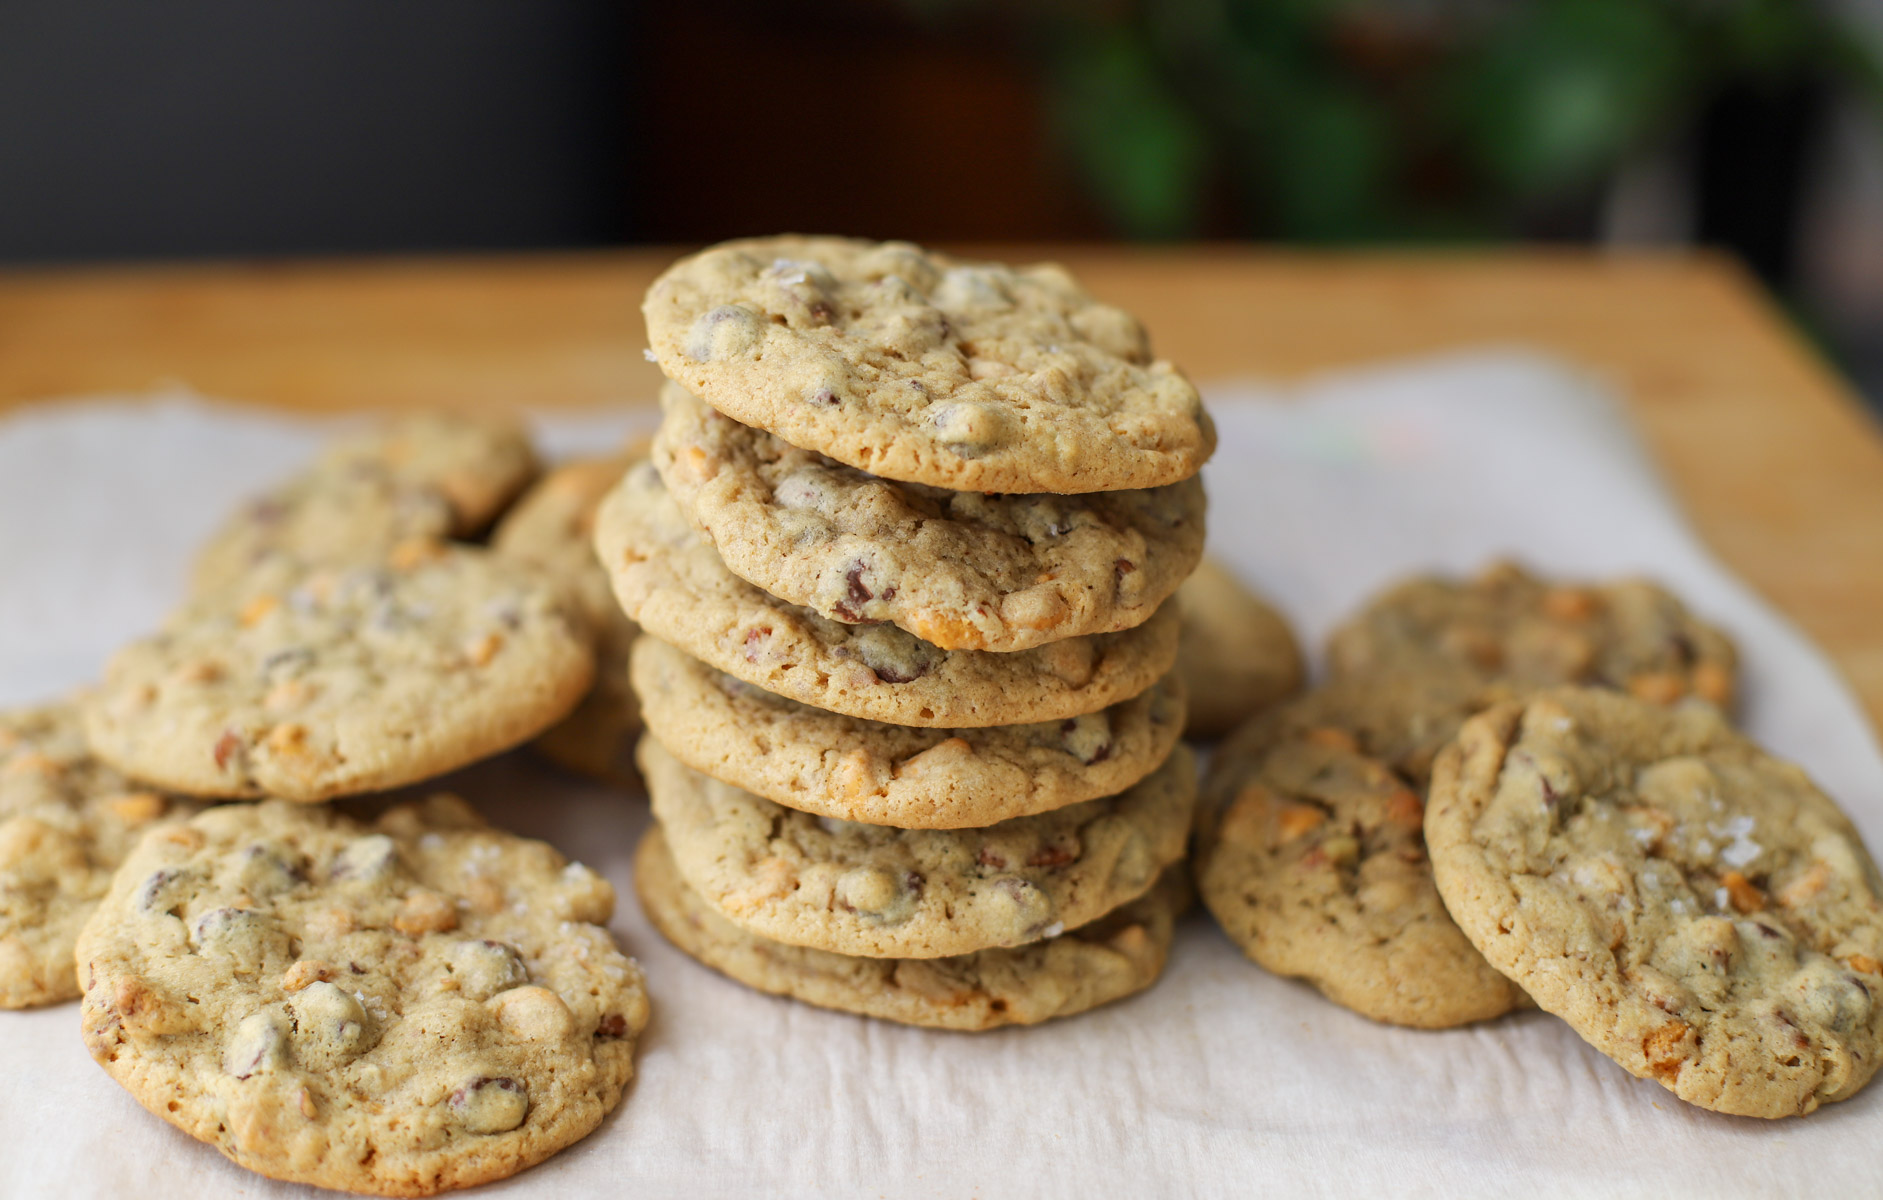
(66, 822)
(409, 1006)
(553, 526)
(425, 475)
(669, 579)
(961, 570)
(917, 367)
(1694, 908)
(310, 683)
(1121, 953)
(1236, 655)
(1509, 624)
(1312, 858)
(868, 771)
(916, 893)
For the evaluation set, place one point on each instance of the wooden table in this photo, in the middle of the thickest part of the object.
(1779, 467)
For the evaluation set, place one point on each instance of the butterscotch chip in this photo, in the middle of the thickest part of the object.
(370, 1054)
(962, 570)
(1653, 938)
(1115, 956)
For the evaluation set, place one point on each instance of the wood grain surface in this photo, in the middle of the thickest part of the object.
(1779, 467)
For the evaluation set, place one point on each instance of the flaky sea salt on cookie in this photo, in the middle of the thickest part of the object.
(1121, 953)
(310, 683)
(874, 890)
(671, 581)
(553, 526)
(918, 367)
(869, 771)
(1694, 908)
(424, 475)
(962, 570)
(402, 1007)
(66, 821)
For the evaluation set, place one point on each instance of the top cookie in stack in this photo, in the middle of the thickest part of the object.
(908, 535)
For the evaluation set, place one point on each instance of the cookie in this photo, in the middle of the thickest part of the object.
(404, 1007)
(310, 683)
(553, 527)
(1121, 953)
(425, 475)
(1236, 655)
(917, 367)
(1694, 908)
(866, 771)
(669, 580)
(1509, 624)
(960, 570)
(916, 893)
(66, 822)
(1312, 859)
(1403, 720)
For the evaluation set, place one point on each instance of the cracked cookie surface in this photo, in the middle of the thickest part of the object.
(66, 821)
(423, 475)
(1696, 909)
(401, 1007)
(310, 683)
(856, 770)
(961, 570)
(1121, 953)
(670, 580)
(914, 366)
(916, 893)
(1311, 856)
(553, 526)
(1508, 624)
(1236, 654)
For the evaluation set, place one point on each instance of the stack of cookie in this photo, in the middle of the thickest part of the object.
(902, 553)
(275, 976)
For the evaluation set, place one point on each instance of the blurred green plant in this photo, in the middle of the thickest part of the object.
(1356, 120)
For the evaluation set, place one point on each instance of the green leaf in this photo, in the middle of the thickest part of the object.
(1563, 89)
(1144, 153)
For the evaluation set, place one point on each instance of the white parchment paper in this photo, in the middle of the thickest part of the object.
(1222, 1080)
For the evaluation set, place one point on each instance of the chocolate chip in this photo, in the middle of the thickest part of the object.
(228, 746)
(159, 890)
(856, 594)
(1056, 855)
(1684, 651)
(887, 674)
(613, 1025)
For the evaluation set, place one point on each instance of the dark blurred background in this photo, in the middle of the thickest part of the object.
(216, 128)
